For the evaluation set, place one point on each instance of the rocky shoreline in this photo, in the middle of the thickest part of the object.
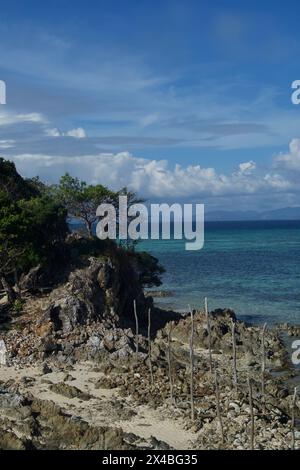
(71, 378)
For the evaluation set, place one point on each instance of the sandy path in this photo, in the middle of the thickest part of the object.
(100, 409)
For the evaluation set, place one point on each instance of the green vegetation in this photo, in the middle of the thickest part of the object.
(81, 200)
(33, 226)
(150, 269)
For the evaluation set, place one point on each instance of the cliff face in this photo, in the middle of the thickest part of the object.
(97, 292)
(88, 314)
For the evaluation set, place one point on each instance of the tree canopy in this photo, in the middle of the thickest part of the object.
(81, 200)
(31, 224)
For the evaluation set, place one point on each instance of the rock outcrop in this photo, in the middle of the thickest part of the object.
(97, 292)
(3, 353)
(28, 423)
(38, 424)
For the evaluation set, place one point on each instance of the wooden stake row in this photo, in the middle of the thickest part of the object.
(216, 377)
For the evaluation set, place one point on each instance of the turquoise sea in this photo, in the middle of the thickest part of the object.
(251, 267)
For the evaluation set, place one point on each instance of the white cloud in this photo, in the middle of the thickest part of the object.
(155, 178)
(54, 132)
(149, 120)
(6, 144)
(8, 118)
(247, 167)
(78, 133)
(291, 160)
(278, 182)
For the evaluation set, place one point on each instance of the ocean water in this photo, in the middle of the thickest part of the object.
(251, 267)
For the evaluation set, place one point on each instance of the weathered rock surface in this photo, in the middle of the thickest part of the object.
(248, 338)
(3, 353)
(69, 391)
(90, 318)
(96, 292)
(28, 423)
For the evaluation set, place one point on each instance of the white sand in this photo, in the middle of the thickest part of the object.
(99, 410)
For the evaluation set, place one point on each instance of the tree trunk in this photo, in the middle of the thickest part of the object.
(11, 295)
(294, 418)
(192, 364)
(209, 336)
(252, 429)
(234, 369)
(136, 332)
(149, 346)
(17, 286)
(263, 367)
(219, 415)
(170, 366)
(89, 228)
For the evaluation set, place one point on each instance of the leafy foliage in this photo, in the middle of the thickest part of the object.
(33, 224)
(81, 200)
(30, 224)
(12, 184)
(150, 269)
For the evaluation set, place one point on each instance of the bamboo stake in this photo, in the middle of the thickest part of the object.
(149, 346)
(192, 365)
(170, 366)
(136, 331)
(234, 370)
(252, 414)
(263, 367)
(217, 392)
(294, 418)
(209, 335)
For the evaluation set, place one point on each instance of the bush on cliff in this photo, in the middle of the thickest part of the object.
(31, 225)
(81, 200)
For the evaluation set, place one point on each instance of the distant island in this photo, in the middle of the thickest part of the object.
(286, 213)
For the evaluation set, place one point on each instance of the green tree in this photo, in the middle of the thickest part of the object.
(81, 200)
(150, 270)
(132, 198)
(31, 225)
(12, 184)
(30, 230)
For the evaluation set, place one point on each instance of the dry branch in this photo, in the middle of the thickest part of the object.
(234, 369)
(136, 331)
(263, 367)
(294, 418)
(251, 414)
(217, 392)
(149, 346)
(209, 335)
(170, 367)
(192, 365)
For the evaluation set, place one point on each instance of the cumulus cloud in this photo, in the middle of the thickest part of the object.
(290, 160)
(247, 167)
(155, 178)
(78, 133)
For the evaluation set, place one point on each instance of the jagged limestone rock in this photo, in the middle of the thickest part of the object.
(3, 353)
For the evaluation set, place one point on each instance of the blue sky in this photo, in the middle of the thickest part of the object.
(177, 99)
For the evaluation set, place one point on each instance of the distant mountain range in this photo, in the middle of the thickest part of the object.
(287, 213)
